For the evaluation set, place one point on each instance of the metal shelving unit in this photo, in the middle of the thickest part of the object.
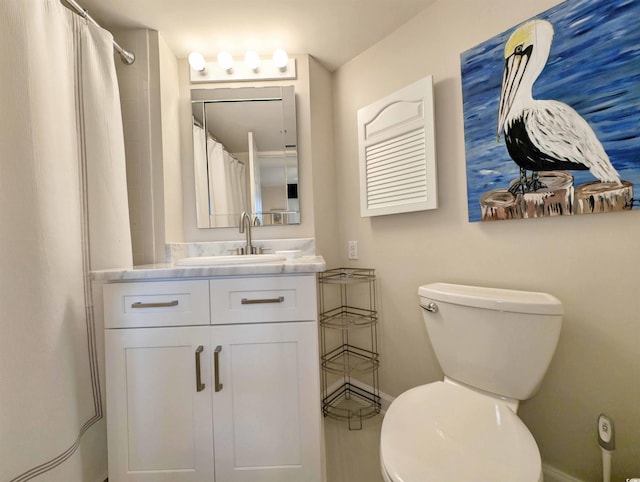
(347, 304)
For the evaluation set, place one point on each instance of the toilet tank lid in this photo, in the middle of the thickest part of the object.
(498, 299)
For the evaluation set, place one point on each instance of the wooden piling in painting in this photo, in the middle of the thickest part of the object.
(554, 200)
(603, 197)
(499, 204)
(557, 199)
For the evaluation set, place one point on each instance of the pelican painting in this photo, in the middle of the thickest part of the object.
(543, 135)
(560, 94)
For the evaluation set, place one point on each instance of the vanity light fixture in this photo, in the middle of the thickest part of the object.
(252, 59)
(280, 59)
(197, 62)
(279, 67)
(225, 61)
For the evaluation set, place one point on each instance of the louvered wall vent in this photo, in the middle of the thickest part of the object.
(397, 152)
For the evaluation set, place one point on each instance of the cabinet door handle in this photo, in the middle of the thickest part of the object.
(166, 304)
(246, 301)
(216, 366)
(199, 384)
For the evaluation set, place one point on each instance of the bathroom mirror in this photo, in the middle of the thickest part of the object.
(245, 155)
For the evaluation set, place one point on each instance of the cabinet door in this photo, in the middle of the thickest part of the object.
(159, 422)
(267, 413)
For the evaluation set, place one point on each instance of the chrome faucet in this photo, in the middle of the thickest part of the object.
(245, 227)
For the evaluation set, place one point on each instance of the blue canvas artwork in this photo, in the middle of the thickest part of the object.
(552, 114)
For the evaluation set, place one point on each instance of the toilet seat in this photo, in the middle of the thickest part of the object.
(445, 432)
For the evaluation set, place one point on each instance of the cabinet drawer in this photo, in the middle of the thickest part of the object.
(266, 299)
(156, 303)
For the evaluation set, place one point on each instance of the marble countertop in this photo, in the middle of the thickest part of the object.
(304, 264)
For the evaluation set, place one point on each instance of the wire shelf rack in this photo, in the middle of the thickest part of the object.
(347, 304)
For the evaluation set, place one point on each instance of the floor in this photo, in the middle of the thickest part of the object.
(352, 455)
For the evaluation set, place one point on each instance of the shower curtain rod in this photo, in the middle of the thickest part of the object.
(126, 56)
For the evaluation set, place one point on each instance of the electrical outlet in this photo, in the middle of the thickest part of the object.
(353, 250)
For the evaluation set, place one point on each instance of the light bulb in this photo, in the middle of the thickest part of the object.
(225, 61)
(280, 59)
(197, 62)
(252, 59)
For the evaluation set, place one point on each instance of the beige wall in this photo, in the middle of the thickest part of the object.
(325, 204)
(589, 262)
(171, 159)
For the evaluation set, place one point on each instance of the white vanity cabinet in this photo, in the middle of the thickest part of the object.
(159, 425)
(220, 383)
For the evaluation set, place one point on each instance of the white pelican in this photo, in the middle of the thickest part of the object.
(543, 135)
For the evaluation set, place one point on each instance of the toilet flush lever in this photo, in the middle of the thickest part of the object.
(431, 307)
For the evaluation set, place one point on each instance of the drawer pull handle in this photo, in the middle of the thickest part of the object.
(199, 384)
(166, 304)
(216, 371)
(246, 301)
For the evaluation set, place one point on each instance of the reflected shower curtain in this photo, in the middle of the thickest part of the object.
(221, 185)
(237, 185)
(63, 212)
(200, 168)
(227, 185)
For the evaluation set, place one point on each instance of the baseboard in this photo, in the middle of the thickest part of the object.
(551, 474)
(385, 401)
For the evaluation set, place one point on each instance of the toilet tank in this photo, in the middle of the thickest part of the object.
(500, 341)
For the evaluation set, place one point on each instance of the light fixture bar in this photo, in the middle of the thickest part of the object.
(241, 72)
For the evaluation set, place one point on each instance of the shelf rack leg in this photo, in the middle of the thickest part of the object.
(355, 419)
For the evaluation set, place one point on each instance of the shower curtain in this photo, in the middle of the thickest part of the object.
(220, 179)
(63, 213)
(227, 183)
(203, 207)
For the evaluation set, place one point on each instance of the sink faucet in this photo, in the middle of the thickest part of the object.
(245, 227)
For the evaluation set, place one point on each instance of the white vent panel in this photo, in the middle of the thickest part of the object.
(396, 172)
(397, 152)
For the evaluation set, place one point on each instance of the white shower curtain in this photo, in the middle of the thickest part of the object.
(63, 212)
(237, 186)
(221, 183)
(227, 186)
(200, 168)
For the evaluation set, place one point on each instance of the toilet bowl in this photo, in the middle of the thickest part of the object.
(498, 344)
(444, 432)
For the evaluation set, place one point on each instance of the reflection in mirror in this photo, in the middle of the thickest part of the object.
(245, 155)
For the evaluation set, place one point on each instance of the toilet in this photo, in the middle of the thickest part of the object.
(494, 347)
